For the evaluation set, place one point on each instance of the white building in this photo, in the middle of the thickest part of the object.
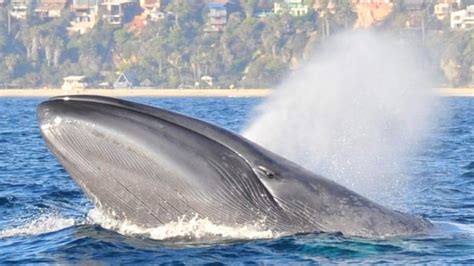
(85, 15)
(444, 8)
(19, 8)
(74, 83)
(463, 19)
(294, 7)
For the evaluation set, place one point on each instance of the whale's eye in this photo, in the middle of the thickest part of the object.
(266, 172)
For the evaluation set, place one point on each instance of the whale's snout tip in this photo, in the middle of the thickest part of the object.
(44, 113)
(51, 111)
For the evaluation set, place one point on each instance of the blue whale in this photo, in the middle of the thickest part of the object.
(151, 166)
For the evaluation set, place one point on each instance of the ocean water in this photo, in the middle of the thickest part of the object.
(45, 218)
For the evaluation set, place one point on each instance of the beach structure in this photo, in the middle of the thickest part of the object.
(207, 81)
(50, 8)
(125, 80)
(104, 85)
(74, 83)
(19, 8)
(294, 7)
(86, 13)
(118, 12)
(463, 19)
(217, 16)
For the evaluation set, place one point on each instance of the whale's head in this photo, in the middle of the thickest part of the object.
(152, 166)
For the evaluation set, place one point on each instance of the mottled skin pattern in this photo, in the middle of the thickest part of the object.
(152, 166)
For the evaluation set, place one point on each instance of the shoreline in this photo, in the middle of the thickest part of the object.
(445, 92)
(138, 92)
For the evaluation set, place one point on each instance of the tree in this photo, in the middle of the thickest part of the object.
(249, 7)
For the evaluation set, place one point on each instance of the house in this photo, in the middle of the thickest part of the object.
(444, 8)
(118, 12)
(294, 7)
(217, 16)
(370, 12)
(463, 19)
(74, 83)
(19, 8)
(152, 9)
(50, 8)
(86, 13)
(125, 80)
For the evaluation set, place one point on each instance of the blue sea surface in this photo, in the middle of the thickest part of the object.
(43, 212)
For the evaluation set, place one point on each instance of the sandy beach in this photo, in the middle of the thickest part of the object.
(456, 92)
(450, 92)
(138, 92)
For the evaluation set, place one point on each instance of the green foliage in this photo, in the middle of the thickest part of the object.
(450, 52)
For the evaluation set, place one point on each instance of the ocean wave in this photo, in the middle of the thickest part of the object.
(46, 223)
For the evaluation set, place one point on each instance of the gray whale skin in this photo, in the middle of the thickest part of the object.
(152, 166)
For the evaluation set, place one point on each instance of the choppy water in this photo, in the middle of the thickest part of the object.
(44, 217)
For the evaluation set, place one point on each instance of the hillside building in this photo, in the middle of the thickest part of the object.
(217, 16)
(118, 12)
(50, 8)
(444, 8)
(463, 19)
(294, 7)
(19, 8)
(153, 9)
(86, 14)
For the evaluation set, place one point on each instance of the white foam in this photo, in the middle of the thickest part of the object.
(57, 120)
(46, 223)
(196, 228)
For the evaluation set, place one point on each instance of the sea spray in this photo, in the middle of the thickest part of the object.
(354, 113)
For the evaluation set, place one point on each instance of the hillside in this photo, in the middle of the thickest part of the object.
(253, 47)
